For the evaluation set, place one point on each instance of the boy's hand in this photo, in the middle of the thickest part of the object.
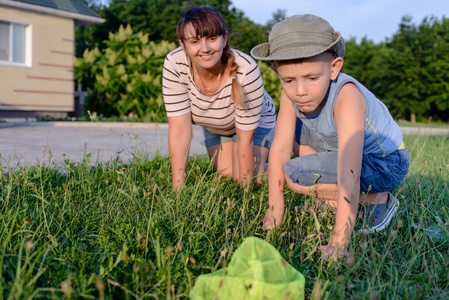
(333, 252)
(273, 218)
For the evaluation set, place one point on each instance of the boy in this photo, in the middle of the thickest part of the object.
(346, 142)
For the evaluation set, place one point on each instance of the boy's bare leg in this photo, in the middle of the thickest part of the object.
(327, 192)
(301, 150)
(374, 198)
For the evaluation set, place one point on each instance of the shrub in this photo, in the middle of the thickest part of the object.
(271, 83)
(125, 77)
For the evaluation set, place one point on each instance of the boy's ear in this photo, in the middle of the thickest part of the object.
(273, 66)
(336, 66)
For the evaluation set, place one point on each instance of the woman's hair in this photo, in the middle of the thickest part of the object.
(207, 22)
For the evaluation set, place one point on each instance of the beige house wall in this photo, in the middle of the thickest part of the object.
(47, 84)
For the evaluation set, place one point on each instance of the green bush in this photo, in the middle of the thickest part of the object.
(271, 83)
(125, 78)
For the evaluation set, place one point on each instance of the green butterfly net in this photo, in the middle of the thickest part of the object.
(256, 271)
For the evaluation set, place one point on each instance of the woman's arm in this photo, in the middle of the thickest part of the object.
(177, 105)
(245, 155)
(179, 138)
(349, 116)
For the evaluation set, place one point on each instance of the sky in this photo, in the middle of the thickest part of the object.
(375, 19)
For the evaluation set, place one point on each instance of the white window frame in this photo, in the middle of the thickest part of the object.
(28, 43)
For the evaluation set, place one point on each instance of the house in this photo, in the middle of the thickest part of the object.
(36, 55)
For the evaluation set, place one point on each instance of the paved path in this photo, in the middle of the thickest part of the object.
(22, 142)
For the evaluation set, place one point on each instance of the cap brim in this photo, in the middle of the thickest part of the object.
(261, 51)
(287, 54)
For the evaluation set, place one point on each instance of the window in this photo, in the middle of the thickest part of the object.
(14, 43)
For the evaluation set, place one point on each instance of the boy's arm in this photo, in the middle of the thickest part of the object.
(280, 153)
(179, 138)
(349, 117)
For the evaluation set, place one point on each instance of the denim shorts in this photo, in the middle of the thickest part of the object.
(378, 174)
(383, 174)
(262, 137)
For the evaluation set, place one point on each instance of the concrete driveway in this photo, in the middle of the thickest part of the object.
(22, 142)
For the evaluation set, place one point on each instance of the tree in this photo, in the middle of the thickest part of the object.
(276, 17)
(418, 70)
(409, 72)
(84, 35)
(437, 66)
(359, 58)
(241, 28)
(159, 18)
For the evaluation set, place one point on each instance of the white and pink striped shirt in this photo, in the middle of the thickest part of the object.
(217, 112)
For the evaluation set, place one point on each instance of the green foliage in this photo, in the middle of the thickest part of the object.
(277, 16)
(159, 18)
(271, 82)
(409, 72)
(125, 77)
(240, 28)
(118, 231)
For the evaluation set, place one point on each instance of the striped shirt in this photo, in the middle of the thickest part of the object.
(217, 112)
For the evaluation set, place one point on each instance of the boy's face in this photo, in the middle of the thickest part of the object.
(306, 83)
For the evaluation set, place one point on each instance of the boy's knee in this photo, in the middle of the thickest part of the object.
(289, 181)
(293, 172)
(294, 183)
(296, 171)
(289, 171)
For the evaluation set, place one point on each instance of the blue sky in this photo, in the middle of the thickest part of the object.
(376, 19)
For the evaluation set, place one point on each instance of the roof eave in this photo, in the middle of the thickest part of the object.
(80, 19)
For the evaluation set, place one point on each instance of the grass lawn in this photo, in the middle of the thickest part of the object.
(115, 230)
(423, 124)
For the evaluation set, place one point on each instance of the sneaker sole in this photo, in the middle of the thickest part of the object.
(387, 220)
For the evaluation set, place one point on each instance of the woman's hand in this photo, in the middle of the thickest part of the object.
(245, 156)
(179, 138)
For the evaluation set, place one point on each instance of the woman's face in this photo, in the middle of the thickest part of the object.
(204, 52)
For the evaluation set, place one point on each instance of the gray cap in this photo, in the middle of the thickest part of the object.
(300, 36)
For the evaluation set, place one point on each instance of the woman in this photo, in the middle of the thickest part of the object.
(207, 83)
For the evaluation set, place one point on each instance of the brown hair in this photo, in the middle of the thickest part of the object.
(207, 22)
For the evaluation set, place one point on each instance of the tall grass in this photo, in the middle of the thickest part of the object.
(115, 230)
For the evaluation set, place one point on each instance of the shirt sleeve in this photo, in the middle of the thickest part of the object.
(174, 89)
(252, 84)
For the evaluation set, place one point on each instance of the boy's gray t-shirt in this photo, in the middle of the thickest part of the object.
(382, 134)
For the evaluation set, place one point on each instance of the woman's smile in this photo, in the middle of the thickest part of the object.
(207, 56)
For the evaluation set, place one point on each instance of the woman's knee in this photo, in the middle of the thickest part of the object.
(221, 155)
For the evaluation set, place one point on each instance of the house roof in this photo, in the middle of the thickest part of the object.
(74, 6)
(74, 9)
